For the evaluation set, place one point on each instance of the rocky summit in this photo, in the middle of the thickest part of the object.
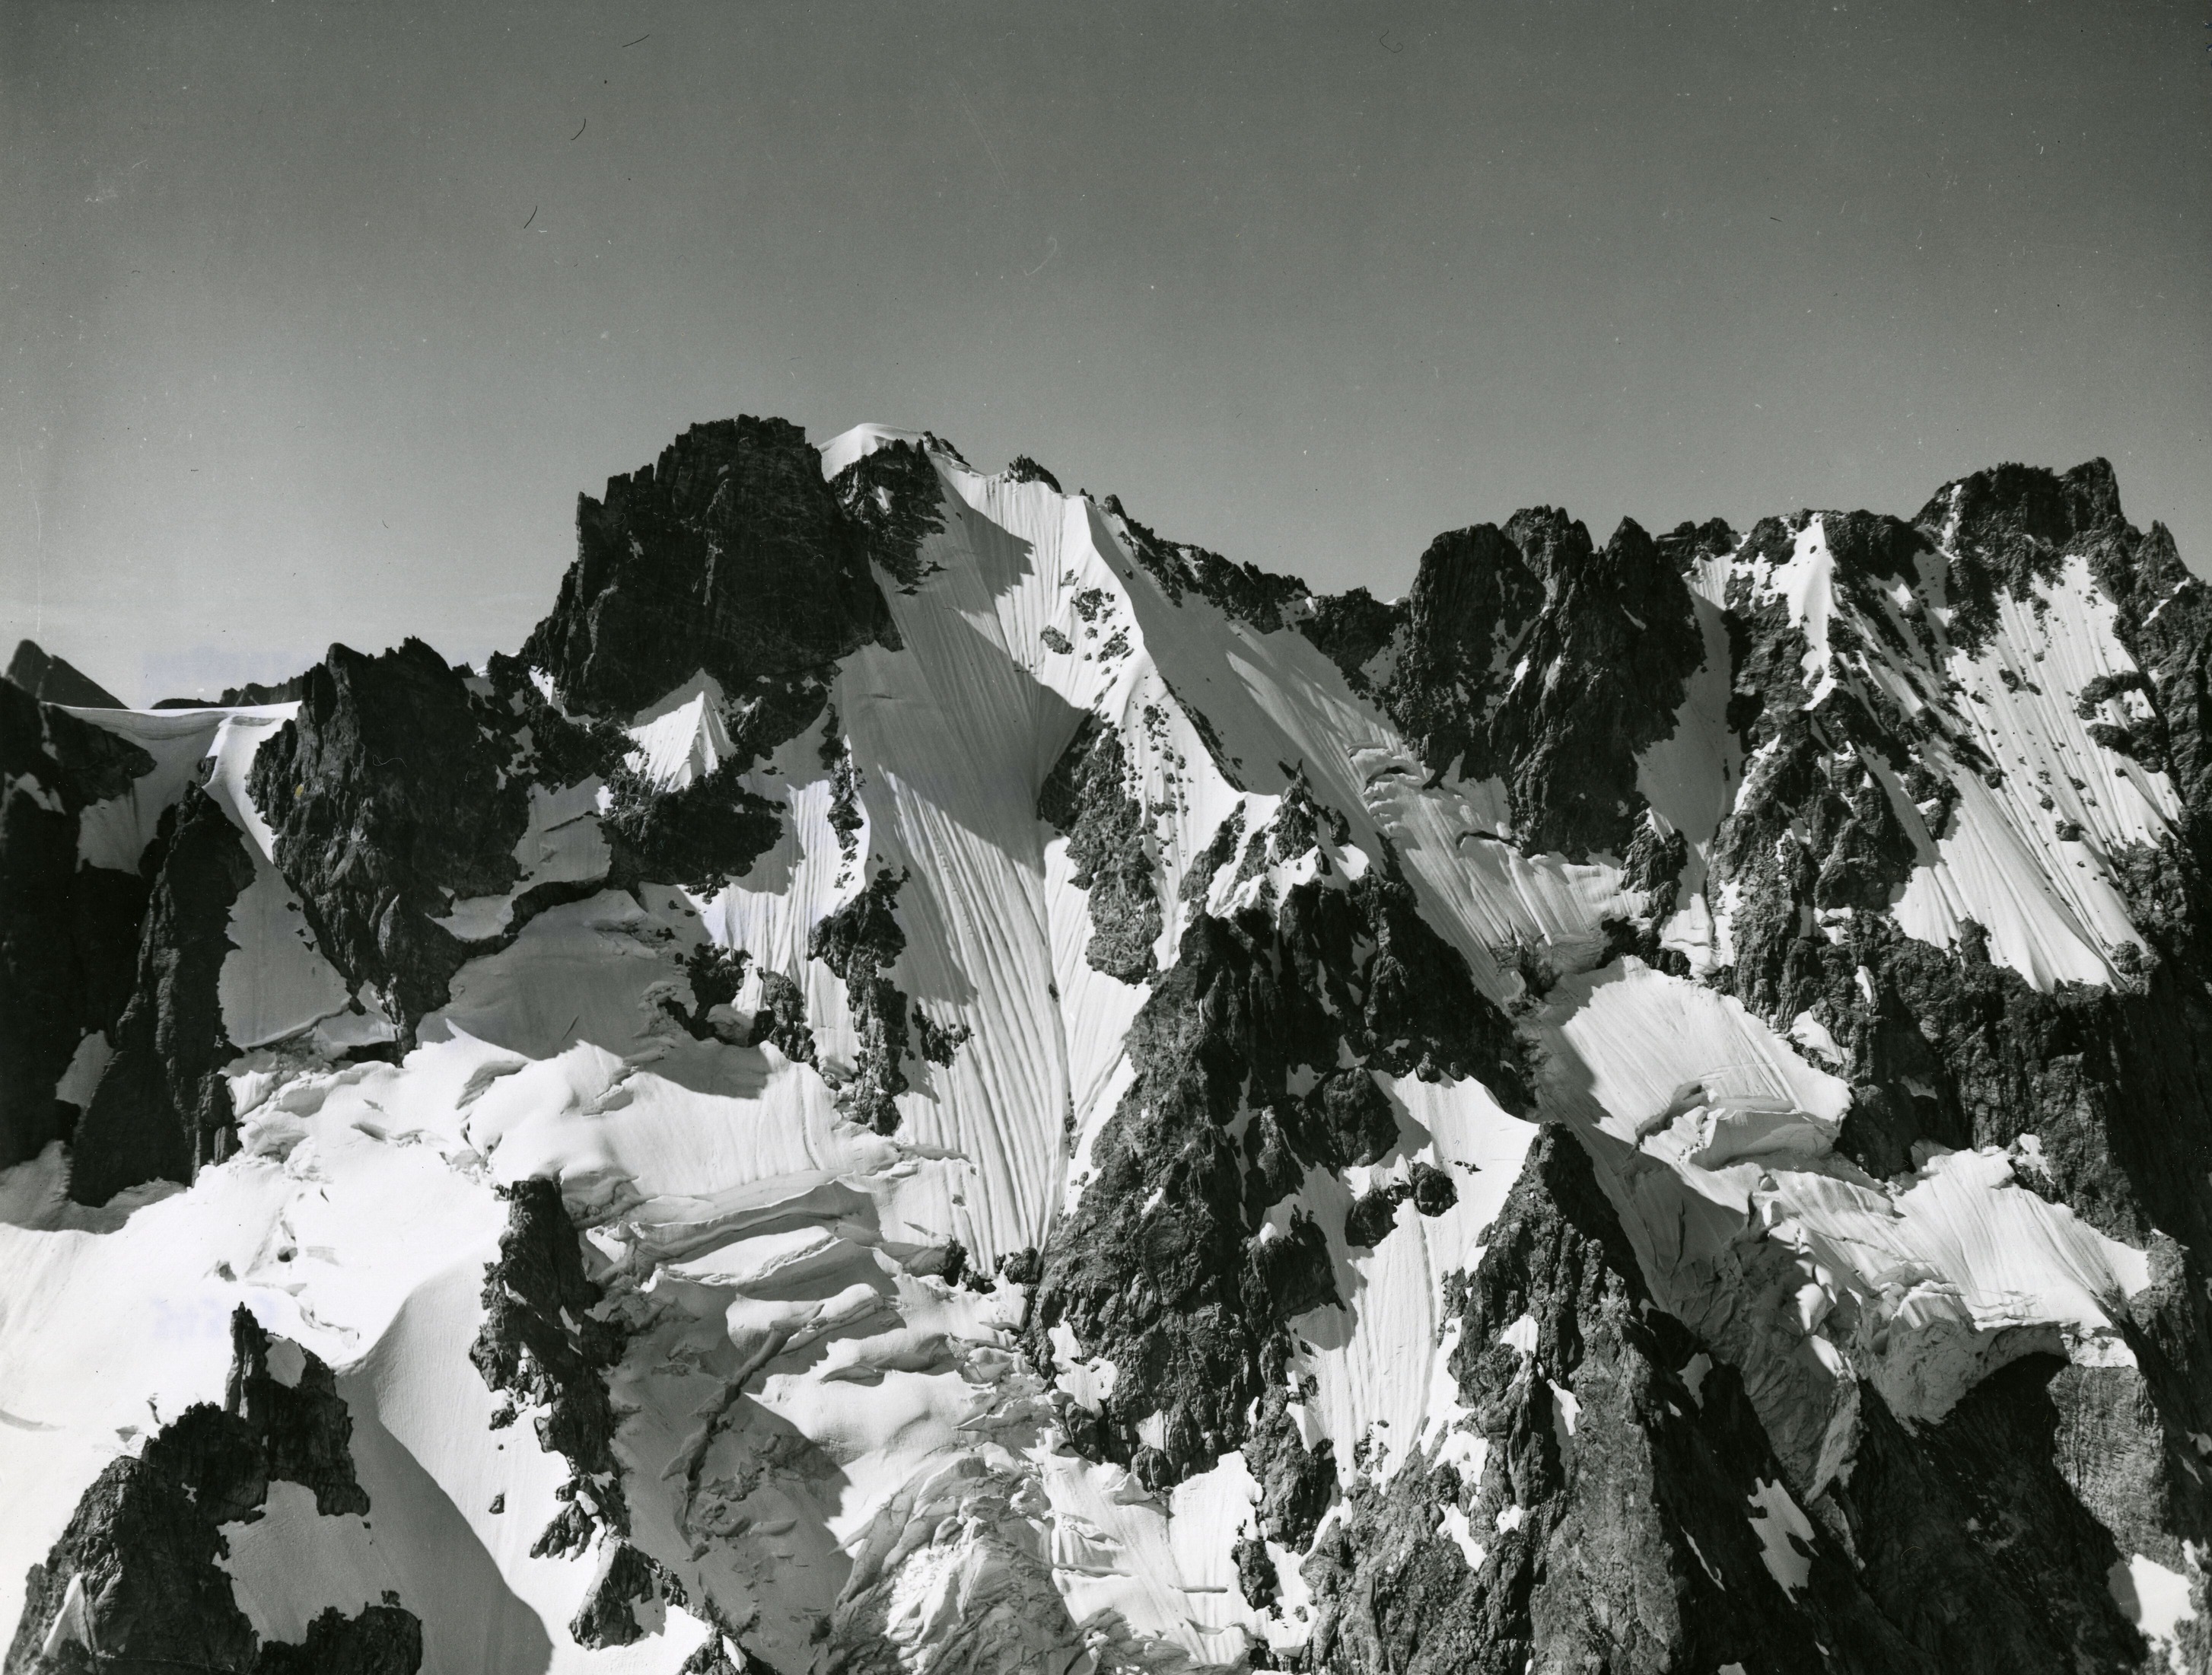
(927, 1078)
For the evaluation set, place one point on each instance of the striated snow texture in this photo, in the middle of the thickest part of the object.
(930, 1080)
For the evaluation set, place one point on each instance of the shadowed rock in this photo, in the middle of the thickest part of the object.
(68, 932)
(51, 680)
(728, 554)
(136, 1580)
(390, 797)
(163, 1108)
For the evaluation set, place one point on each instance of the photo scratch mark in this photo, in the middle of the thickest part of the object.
(970, 110)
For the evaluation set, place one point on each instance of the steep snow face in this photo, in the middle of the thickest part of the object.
(1719, 1141)
(1038, 616)
(116, 831)
(1804, 582)
(213, 747)
(682, 739)
(2033, 851)
(1373, 1370)
(813, 1117)
(1997, 726)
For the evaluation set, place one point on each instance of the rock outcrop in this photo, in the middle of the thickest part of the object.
(1949, 1047)
(68, 932)
(859, 942)
(1984, 1541)
(1526, 655)
(1165, 1268)
(390, 798)
(162, 1108)
(1610, 1515)
(135, 1582)
(1087, 802)
(51, 680)
(542, 1346)
(728, 554)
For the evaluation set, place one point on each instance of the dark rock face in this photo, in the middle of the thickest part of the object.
(1369, 1221)
(52, 681)
(627, 1579)
(1474, 597)
(716, 974)
(1433, 1191)
(846, 819)
(2010, 527)
(893, 494)
(781, 1019)
(1946, 1046)
(1345, 1120)
(163, 1109)
(1087, 799)
(939, 1042)
(1224, 847)
(146, 1554)
(304, 1430)
(1526, 655)
(1023, 469)
(1627, 1544)
(729, 554)
(860, 942)
(137, 1568)
(1352, 630)
(69, 935)
(713, 1658)
(1372, 1215)
(1243, 593)
(383, 1640)
(1623, 620)
(700, 836)
(550, 746)
(1972, 1541)
(1162, 1267)
(542, 1345)
(390, 797)
(1297, 1483)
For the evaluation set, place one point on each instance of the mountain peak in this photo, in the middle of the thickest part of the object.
(1004, 1091)
(52, 681)
(729, 553)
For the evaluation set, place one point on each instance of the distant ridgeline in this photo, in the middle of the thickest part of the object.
(928, 1079)
(52, 681)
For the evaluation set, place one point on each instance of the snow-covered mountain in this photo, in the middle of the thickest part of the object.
(928, 1080)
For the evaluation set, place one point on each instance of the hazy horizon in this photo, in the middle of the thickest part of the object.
(322, 316)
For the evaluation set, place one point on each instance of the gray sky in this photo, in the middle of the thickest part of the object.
(317, 318)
